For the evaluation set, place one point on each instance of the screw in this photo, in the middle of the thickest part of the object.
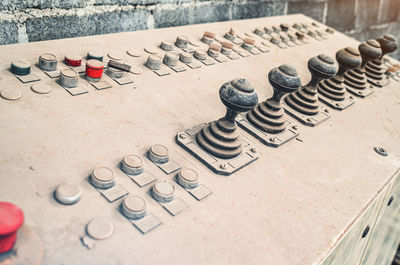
(351, 97)
(380, 150)
(390, 200)
(295, 127)
(272, 139)
(222, 166)
(366, 230)
(182, 136)
(253, 150)
(337, 104)
(326, 110)
(309, 119)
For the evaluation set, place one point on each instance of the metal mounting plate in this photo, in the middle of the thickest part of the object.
(28, 78)
(384, 82)
(338, 105)
(187, 139)
(270, 139)
(360, 93)
(308, 120)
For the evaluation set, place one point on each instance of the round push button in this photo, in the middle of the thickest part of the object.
(73, 59)
(226, 48)
(182, 41)
(94, 70)
(11, 219)
(41, 88)
(167, 46)
(97, 55)
(185, 57)
(48, 62)
(100, 228)
(114, 72)
(163, 191)
(133, 53)
(20, 67)
(200, 55)
(188, 178)
(133, 207)
(115, 56)
(103, 177)
(68, 78)
(132, 164)
(158, 153)
(68, 193)
(171, 59)
(11, 93)
(153, 62)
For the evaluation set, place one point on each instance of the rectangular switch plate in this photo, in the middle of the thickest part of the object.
(28, 78)
(338, 105)
(309, 120)
(146, 223)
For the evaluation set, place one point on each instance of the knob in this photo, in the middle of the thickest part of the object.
(102, 177)
(48, 62)
(68, 78)
(171, 59)
(230, 35)
(268, 30)
(200, 55)
(97, 55)
(269, 115)
(333, 88)
(208, 37)
(73, 59)
(388, 44)
(163, 191)
(275, 38)
(94, 70)
(369, 50)
(226, 48)
(221, 138)
(259, 31)
(305, 100)
(248, 44)
(167, 46)
(284, 27)
(185, 57)
(158, 153)
(12, 218)
(68, 193)
(132, 165)
(214, 50)
(114, 72)
(133, 207)
(182, 41)
(188, 178)
(300, 35)
(153, 62)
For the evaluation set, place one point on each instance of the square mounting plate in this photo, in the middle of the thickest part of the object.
(309, 120)
(187, 139)
(361, 93)
(338, 105)
(270, 139)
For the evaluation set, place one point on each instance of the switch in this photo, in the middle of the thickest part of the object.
(73, 59)
(68, 78)
(226, 48)
(163, 191)
(133, 207)
(305, 100)
(284, 27)
(208, 37)
(355, 79)
(171, 59)
(114, 72)
(221, 138)
(102, 177)
(11, 219)
(200, 55)
(182, 42)
(48, 62)
(94, 70)
(132, 165)
(97, 55)
(188, 178)
(248, 44)
(332, 91)
(230, 35)
(68, 193)
(153, 62)
(100, 228)
(259, 31)
(214, 50)
(269, 115)
(21, 67)
(167, 46)
(158, 153)
(186, 57)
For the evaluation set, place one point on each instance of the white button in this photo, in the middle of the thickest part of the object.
(163, 191)
(100, 228)
(158, 153)
(134, 207)
(103, 177)
(11, 93)
(68, 193)
(188, 178)
(41, 88)
(132, 164)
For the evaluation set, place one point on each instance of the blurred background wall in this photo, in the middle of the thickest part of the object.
(36, 20)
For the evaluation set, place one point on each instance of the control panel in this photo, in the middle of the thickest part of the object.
(262, 141)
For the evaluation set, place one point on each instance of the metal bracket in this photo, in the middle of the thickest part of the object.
(338, 105)
(360, 93)
(384, 82)
(274, 140)
(309, 120)
(187, 139)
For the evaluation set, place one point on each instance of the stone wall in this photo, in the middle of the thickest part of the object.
(35, 20)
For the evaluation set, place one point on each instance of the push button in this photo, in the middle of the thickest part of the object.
(200, 55)
(68, 193)
(94, 70)
(167, 46)
(226, 48)
(158, 153)
(153, 62)
(188, 178)
(73, 59)
(68, 78)
(20, 67)
(97, 55)
(103, 177)
(182, 42)
(132, 164)
(114, 72)
(48, 62)
(185, 57)
(11, 219)
(163, 191)
(133, 207)
(248, 44)
(208, 37)
(171, 59)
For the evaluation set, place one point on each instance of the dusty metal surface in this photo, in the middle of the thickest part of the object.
(288, 207)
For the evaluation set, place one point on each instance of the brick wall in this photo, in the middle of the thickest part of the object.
(34, 20)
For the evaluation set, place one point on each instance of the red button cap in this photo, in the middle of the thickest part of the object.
(73, 60)
(11, 218)
(94, 68)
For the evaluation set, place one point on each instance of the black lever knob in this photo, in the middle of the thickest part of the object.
(347, 58)
(269, 115)
(388, 44)
(369, 50)
(305, 100)
(221, 138)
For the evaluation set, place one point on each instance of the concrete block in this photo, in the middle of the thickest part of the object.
(172, 16)
(312, 9)
(40, 4)
(139, 2)
(210, 13)
(71, 25)
(341, 14)
(8, 32)
(367, 13)
(257, 9)
(390, 11)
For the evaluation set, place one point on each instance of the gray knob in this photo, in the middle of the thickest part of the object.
(132, 165)
(153, 62)
(68, 78)
(171, 59)
(48, 62)
(185, 57)
(167, 46)
(182, 41)
(200, 55)
(103, 177)
(158, 153)
(188, 178)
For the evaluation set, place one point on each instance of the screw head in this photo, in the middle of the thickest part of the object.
(295, 127)
(222, 166)
(380, 150)
(272, 139)
(182, 136)
(253, 150)
(326, 110)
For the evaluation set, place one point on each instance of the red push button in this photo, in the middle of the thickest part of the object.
(94, 68)
(73, 60)
(11, 218)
